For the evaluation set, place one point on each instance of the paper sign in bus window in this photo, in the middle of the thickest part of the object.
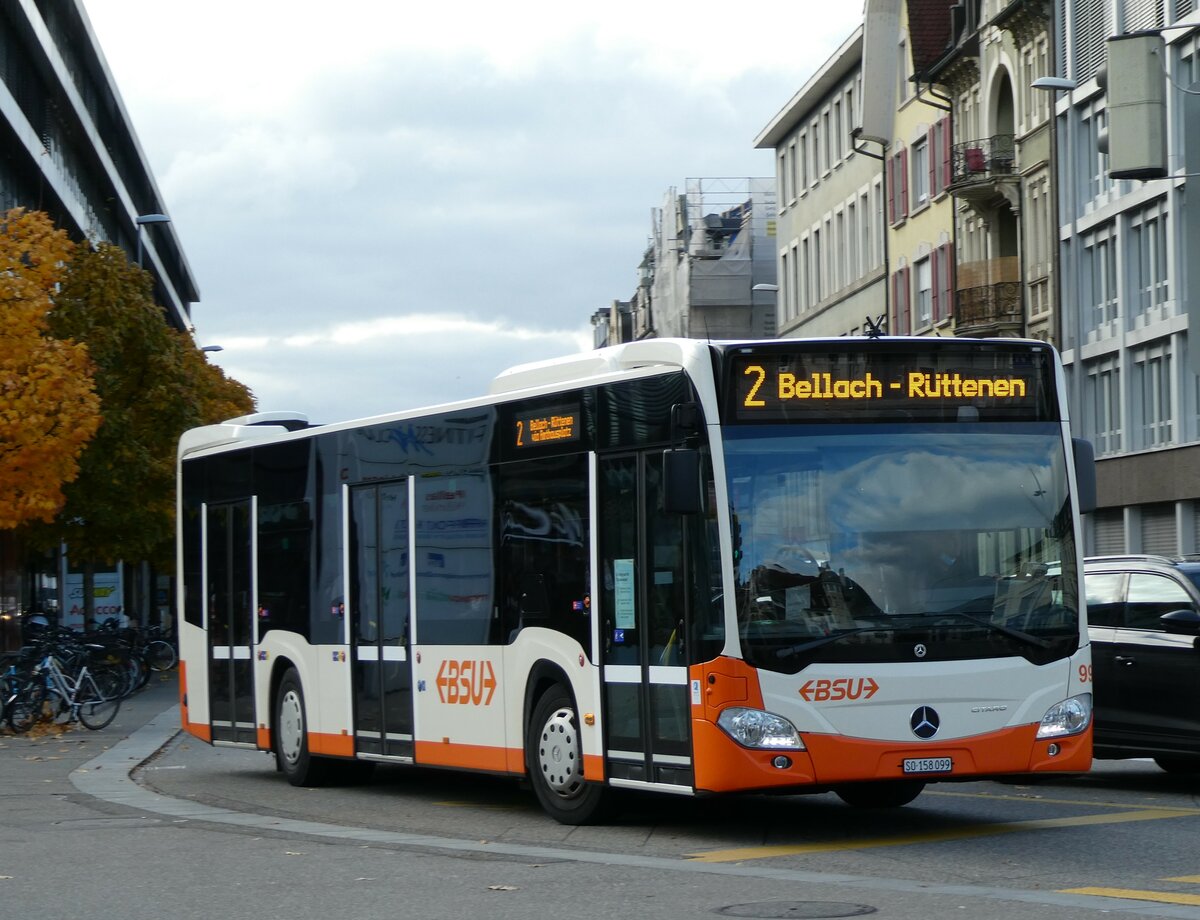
(623, 593)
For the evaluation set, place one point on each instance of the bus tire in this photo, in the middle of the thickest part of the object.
(554, 758)
(882, 794)
(292, 756)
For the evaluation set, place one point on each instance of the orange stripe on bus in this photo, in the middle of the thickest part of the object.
(723, 765)
(263, 738)
(328, 745)
(464, 756)
(1011, 750)
(199, 730)
(593, 768)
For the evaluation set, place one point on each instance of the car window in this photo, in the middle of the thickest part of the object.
(1150, 596)
(1103, 598)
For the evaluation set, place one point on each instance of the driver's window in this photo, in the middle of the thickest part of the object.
(1150, 596)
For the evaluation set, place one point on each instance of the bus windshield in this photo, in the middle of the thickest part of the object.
(881, 542)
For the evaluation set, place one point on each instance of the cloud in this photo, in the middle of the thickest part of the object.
(337, 181)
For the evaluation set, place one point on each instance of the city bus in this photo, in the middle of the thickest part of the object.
(840, 565)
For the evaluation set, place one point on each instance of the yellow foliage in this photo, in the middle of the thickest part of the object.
(48, 405)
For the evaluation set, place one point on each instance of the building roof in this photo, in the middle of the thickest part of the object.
(929, 26)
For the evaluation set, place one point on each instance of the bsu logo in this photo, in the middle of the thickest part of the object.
(467, 683)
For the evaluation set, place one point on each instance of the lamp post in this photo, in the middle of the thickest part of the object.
(1067, 283)
(212, 348)
(141, 220)
(767, 288)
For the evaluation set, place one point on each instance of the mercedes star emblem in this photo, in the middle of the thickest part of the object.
(925, 722)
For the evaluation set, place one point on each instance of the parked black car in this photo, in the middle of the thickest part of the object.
(1144, 621)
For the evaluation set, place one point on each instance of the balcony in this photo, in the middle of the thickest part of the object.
(989, 299)
(985, 169)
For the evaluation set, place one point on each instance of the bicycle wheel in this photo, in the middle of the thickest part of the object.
(27, 707)
(95, 710)
(160, 655)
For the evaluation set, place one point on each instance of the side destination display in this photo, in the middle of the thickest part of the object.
(930, 384)
(549, 426)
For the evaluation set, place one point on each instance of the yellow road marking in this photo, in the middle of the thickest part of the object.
(1190, 879)
(1166, 897)
(979, 830)
(1037, 798)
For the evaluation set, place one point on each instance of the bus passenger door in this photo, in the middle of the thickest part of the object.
(228, 566)
(644, 578)
(379, 620)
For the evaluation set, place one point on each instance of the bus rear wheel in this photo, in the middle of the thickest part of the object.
(291, 736)
(554, 758)
(884, 794)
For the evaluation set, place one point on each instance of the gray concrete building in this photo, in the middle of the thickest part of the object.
(1130, 286)
(69, 149)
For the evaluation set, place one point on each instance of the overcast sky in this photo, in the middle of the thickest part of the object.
(385, 204)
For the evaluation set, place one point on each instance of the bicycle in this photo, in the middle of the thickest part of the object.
(86, 697)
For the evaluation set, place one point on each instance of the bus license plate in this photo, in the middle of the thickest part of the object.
(928, 765)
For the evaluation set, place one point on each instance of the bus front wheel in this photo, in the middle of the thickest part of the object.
(554, 758)
(291, 736)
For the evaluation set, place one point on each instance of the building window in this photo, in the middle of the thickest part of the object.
(1152, 394)
(836, 145)
(920, 173)
(1100, 270)
(805, 285)
(1092, 164)
(1103, 405)
(924, 293)
(1148, 261)
(853, 269)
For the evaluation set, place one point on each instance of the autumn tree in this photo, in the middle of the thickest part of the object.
(153, 384)
(48, 405)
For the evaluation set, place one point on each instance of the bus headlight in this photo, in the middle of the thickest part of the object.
(1067, 718)
(754, 728)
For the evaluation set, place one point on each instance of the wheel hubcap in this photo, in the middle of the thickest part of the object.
(558, 754)
(291, 726)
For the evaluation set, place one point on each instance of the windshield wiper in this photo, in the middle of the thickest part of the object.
(908, 623)
(1019, 635)
(829, 640)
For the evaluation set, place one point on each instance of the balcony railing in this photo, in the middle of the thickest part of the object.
(984, 160)
(989, 308)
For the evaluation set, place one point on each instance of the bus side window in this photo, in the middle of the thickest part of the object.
(542, 547)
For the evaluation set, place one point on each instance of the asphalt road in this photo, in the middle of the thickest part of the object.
(136, 821)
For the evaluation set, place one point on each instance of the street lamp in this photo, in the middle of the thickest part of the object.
(141, 220)
(1067, 296)
(212, 347)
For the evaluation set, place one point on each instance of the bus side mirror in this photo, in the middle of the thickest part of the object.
(681, 480)
(1085, 474)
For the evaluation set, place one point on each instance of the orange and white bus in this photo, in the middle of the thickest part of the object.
(847, 565)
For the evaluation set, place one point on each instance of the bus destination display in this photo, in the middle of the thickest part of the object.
(537, 429)
(780, 386)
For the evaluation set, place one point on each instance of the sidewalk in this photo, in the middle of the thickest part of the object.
(41, 763)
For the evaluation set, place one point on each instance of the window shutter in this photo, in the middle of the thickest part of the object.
(896, 302)
(946, 281)
(931, 160)
(891, 189)
(935, 273)
(907, 284)
(947, 153)
(902, 201)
